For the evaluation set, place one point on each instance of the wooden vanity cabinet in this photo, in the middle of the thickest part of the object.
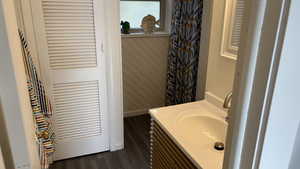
(165, 154)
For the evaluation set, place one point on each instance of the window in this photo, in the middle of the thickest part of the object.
(134, 11)
(233, 19)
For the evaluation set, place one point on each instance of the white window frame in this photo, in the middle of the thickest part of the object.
(227, 49)
(162, 17)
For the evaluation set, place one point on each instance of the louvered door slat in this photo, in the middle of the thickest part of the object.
(60, 44)
(66, 111)
(64, 51)
(70, 35)
(84, 115)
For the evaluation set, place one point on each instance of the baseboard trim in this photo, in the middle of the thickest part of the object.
(213, 99)
(116, 147)
(136, 112)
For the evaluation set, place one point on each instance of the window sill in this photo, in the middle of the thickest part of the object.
(143, 35)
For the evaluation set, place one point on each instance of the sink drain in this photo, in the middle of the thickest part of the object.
(219, 146)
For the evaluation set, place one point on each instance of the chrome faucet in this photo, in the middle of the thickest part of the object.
(227, 104)
(227, 101)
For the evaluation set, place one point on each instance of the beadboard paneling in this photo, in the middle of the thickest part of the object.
(144, 73)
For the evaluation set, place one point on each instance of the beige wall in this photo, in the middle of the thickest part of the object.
(220, 70)
(144, 72)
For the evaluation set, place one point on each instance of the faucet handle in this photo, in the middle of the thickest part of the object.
(227, 101)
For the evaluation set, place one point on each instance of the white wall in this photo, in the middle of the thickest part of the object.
(1, 160)
(4, 142)
(16, 108)
(24, 21)
(220, 70)
(295, 163)
(280, 144)
(204, 49)
(144, 72)
(168, 18)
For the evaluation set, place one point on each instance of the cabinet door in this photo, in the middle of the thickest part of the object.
(71, 35)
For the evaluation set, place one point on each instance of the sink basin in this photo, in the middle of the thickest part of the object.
(197, 128)
(201, 129)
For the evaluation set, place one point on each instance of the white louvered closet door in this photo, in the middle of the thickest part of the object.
(74, 63)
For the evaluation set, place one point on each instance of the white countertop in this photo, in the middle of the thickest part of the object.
(201, 157)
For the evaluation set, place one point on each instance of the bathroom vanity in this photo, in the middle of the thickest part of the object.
(184, 136)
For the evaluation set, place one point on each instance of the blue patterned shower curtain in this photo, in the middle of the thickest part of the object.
(184, 51)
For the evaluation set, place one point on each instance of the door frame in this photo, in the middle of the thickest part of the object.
(261, 43)
(112, 50)
(247, 84)
(114, 74)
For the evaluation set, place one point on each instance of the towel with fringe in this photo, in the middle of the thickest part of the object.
(41, 107)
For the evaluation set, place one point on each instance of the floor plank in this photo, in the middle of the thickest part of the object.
(135, 155)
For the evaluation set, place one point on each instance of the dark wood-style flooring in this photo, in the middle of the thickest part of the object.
(135, 155)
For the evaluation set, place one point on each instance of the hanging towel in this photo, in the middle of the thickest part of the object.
(41, 107)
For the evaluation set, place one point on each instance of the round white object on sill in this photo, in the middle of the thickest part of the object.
(148, 24)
